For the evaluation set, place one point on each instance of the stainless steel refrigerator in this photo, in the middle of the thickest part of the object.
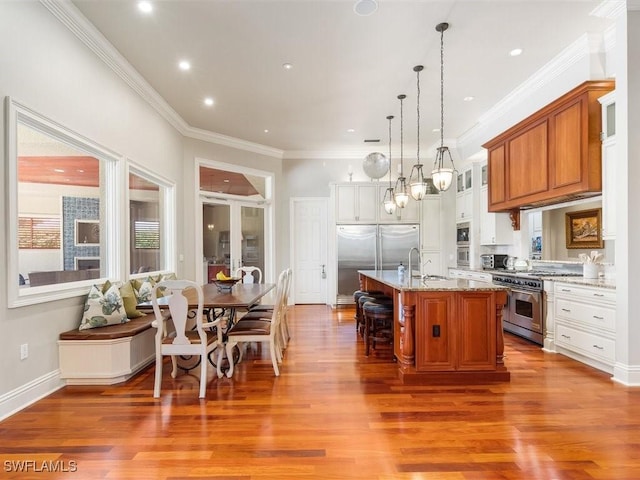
(371, 247)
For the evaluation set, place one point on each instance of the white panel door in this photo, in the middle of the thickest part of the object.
(309, 250)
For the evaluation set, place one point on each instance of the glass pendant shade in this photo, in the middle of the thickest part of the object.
(402, 197)
(442, 176)
(417, 183)
(389, 201)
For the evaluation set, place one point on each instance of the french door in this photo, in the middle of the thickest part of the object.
(233, 235)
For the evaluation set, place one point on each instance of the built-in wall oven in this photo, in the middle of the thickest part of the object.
(463, 232)
(524, 312)
(463, 256)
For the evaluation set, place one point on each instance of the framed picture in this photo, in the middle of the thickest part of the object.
(584, 229)
(87, 233)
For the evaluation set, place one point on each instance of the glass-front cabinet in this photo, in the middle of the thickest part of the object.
(609, 165)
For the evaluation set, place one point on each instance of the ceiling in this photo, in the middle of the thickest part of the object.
(347, 70)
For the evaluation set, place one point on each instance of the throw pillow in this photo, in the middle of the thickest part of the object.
(143, 292)
(103, 307)
(130, 301)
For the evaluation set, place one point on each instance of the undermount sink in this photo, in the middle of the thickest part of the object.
(431, 278)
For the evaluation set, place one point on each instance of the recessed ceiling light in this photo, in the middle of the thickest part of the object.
(365, 7)
(184, 65)
(145, 6)
(515, 52)
(266, 130)
(287, 66)
(208, 101)
(468, 99)
(351, 130)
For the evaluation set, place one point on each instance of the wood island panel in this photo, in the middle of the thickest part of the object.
(447, 331)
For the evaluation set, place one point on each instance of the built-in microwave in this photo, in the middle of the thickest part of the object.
(463, 257)
(463, 231)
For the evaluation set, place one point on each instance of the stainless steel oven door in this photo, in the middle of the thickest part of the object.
(526, 310)
(463, 256)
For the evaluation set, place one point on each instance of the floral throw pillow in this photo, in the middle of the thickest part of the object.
(143, 292)
(103, 308)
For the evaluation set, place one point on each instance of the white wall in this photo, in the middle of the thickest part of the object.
(45, 67)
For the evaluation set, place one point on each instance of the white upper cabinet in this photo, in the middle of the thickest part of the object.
(362, 203)
(495, 228)
(609, 165)
(464, 195)
(356, 203)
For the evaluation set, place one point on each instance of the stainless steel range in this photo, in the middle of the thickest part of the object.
(524, 313)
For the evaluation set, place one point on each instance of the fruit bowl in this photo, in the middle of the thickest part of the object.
(226, 284)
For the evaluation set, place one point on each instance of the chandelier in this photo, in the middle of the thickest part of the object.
(417, 182)
(402, 197)
(442, 176)
(389, 200)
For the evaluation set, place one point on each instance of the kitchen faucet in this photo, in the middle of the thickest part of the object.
(409, 263)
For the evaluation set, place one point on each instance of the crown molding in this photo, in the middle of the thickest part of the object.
(227, 141)
(356, 154)
(69, 15)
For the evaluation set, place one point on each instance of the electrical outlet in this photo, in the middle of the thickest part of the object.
(24, 351)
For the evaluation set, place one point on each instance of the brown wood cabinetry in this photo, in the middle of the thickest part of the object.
(456, 331)
(552, 156)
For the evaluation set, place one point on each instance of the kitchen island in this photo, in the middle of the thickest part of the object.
(445, 330)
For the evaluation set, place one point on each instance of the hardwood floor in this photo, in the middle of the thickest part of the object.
(334, 414)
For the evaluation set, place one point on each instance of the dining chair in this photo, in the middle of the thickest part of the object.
(185, 339)
(249, 274)
(266, 309)
(259, 328)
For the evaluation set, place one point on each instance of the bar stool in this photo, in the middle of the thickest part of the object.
(356, 297)
(378, 323)
(377, 297)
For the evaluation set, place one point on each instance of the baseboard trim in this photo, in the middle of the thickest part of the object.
(29, 393)
(628, 375)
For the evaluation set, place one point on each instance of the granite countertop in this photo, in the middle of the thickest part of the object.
(390, 278)
(602, 282)
(587, 282)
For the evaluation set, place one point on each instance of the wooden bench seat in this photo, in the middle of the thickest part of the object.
(121, 330)
(107, 355)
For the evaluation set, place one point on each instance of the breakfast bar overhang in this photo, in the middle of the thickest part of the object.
(445, 330)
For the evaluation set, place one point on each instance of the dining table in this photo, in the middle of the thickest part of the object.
(240, 295)
(217, 301)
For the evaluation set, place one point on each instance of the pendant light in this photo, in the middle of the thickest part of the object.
(417, 183)
(442, 176)
(402, 197)
(389, 200)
